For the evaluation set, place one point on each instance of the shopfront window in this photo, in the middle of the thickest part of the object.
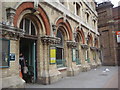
(60, 50)
(4, 53)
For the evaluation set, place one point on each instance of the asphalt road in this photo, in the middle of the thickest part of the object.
(95, 78)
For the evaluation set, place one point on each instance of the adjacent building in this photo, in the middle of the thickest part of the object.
(57, 39)
(108, 24)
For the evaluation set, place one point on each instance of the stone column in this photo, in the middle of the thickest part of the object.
(72, 67)
(10, 15)
(49, 73)
(85, 65)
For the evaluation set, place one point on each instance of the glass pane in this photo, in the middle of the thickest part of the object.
(27, 25)
(59, 34)
(32, 29)
(59, 53)
(21, 24)
(4, 53)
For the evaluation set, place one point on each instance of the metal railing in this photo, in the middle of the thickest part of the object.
(88, 60)
(60, 63)
(77, 61)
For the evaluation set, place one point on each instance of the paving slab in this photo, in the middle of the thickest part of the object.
(95, 78)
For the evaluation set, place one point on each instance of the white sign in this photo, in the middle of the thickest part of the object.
(118, 36)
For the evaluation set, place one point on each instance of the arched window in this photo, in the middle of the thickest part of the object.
(78, 9)
(87, 15)
(60, 50)
(28, 26)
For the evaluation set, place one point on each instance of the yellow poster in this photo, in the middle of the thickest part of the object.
(52, 55)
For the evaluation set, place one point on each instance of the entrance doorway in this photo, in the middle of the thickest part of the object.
(28, 49)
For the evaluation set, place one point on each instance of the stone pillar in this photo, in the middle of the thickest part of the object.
(97, 56)
(72, 67)
(93, 50)
(85, 66)
(10, 16)
(49, 73)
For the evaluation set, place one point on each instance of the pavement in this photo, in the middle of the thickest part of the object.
(95, 78)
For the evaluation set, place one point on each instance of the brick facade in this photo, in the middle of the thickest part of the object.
(107, 24)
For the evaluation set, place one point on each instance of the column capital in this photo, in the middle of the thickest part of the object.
(72, 44)
(50, 40)
(84, 46)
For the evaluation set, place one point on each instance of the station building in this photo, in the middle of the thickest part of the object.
(58, 39)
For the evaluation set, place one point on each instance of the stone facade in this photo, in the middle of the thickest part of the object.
(108, 24)
(76, 21)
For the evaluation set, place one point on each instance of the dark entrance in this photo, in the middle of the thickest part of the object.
(28, 48)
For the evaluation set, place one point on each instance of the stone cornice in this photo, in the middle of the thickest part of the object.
(50, 40)
(10, 31)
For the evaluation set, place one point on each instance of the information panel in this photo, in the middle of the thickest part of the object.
(73, 55)
(52, 55)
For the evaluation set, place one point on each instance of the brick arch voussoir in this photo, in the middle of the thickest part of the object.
(91, 39)
(67, 25)
(81, 34)
(27, 5)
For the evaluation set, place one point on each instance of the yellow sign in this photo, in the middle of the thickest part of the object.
(52, 55)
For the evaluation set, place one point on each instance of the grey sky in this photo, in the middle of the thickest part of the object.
(115, 2)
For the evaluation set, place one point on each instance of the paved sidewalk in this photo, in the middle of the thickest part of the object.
(91, 79)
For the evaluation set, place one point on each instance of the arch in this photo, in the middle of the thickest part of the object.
(65, 25)
(96, 42)
(81, 33)
(90, 39)
(28, 5)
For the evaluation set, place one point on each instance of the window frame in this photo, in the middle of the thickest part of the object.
(62, 47)
(8, 60)
(30, 25)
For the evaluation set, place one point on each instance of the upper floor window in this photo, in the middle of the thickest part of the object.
(62, 1)
(28, 26)
(77, 9)
(87, 17)
(94, 23)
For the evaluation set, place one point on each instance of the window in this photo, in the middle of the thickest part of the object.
(75, 56)
(4, 53)
(87, 56)
(87, 17)
(94, 22)
(60, 51)
(77, 9)
(62, 1)
(28, 26)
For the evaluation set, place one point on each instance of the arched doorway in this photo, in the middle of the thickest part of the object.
(28, 48)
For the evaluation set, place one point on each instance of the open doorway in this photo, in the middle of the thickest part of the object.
(28, 49)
